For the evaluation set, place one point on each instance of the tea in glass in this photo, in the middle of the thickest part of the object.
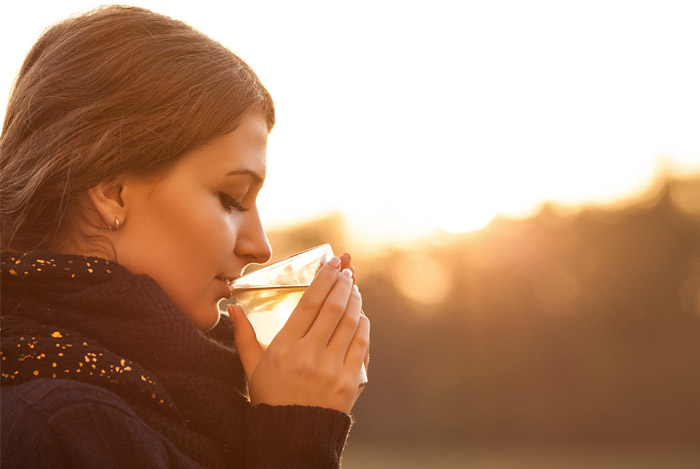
(269, 295)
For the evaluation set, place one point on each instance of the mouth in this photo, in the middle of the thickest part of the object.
(228, 280)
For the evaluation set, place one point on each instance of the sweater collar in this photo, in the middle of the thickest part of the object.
(89, 319)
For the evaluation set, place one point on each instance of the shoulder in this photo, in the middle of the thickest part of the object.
(47, 397)
(57, 423)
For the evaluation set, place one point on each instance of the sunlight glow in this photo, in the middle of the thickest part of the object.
(420, 278)
(461, 222)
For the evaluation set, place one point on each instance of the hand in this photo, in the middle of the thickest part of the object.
(345, 261)
(316, 359)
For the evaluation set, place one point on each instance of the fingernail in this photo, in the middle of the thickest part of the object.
(334, 262)
(347, 273)
(355, 289)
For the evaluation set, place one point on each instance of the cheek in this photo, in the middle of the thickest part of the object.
(202, 233)
(184, 246)
(182, 242)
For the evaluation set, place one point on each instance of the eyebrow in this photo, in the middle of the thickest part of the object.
(247, 172)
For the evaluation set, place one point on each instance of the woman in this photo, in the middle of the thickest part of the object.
(132, 153)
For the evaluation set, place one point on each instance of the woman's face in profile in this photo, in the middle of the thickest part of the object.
(199, 224)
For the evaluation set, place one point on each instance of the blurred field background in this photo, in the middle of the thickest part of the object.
(568, 339)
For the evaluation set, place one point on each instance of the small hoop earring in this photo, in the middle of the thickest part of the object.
(116, 225)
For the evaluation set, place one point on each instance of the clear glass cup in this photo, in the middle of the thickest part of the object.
(269, 295)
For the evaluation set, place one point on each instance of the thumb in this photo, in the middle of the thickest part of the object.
(249, 349)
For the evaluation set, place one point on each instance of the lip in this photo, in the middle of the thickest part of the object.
(225, 285)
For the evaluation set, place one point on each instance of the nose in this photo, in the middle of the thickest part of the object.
(252, 244)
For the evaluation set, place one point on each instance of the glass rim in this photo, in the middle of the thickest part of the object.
(277, 263)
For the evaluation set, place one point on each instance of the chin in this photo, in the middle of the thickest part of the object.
(208, 321)
(216, 321)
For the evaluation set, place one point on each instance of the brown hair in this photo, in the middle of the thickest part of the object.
(116, 90)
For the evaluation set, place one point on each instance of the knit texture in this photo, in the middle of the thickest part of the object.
(91, 321)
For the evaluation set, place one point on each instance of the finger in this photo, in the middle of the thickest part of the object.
(332, 310)
(249, 349)
(345, 261)
(359, 347)
(311, 302)
(347, 326)
(368, 346)
(365, 380)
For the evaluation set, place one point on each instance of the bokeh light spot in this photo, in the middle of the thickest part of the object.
(420, 278)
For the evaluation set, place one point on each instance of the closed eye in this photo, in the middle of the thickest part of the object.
(230, 203)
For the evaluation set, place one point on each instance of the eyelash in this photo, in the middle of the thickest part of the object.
(230, 203)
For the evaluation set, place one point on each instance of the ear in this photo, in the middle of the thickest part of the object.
(106, 197)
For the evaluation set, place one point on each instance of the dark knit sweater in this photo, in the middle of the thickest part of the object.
(100, 368)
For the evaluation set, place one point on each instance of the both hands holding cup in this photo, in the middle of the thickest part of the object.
(320, 355)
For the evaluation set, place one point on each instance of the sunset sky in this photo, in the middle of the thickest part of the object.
(411, 116)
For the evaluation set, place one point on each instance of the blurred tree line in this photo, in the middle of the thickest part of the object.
(568, 327)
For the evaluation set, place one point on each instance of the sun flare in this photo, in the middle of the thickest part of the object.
(462, 222)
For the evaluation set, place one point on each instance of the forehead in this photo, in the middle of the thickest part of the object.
(242, 149)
